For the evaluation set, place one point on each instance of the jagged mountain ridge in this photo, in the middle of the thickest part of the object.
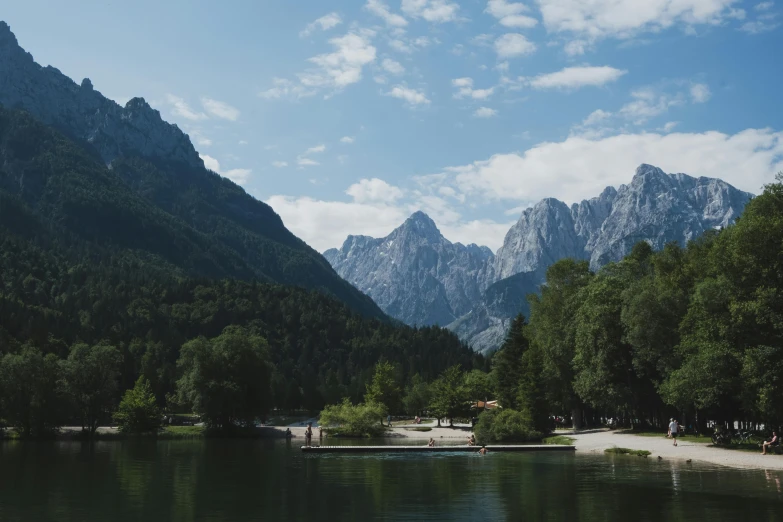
(414, 260)
(122, 178)
(84, 113)
(654, 207)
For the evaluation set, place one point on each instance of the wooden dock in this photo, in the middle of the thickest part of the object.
(433, 449)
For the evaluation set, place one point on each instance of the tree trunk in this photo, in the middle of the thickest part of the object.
(576, 418)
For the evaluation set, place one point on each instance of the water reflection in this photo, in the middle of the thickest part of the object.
(265, 480)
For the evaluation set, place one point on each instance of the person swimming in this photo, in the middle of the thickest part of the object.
(483, 450)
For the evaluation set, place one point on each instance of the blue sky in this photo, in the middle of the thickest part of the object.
(347, 116)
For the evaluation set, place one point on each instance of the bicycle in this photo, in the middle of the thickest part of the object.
(744, 437)
(721, 438)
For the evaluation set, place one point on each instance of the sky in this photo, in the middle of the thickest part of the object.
(348, 116)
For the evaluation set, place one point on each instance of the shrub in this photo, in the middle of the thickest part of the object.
(360, 420)
(504, 426)
(138, 411)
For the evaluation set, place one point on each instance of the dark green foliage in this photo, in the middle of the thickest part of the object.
(226, 379)
(128, 257)
(418, 395)
(138, 412)
(450, 395)
(384, 388)
(694, 332)
(90, 376)
(507, 363)
(31, 395)
(361, 420)
(503, 425)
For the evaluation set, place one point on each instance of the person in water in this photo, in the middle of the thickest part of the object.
(288, 433)
(308, 434)
(483, 450)
(431, 443)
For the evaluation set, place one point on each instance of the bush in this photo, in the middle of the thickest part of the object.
(361, 420)
(504, 426)
(138, 411)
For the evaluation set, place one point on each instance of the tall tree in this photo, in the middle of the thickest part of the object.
(385, 388)
(507, 364)
(91, 374)
(226, 379)
(449, 395)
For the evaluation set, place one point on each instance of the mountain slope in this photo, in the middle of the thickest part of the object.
(155, 197)
(655, 207)
(414, 273)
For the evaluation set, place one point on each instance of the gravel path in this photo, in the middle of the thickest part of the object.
(597, 442)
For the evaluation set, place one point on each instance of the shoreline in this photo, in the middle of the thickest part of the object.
(586, 442)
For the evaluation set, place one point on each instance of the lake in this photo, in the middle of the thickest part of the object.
(240, 480)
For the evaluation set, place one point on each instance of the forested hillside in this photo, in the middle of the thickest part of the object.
(177, 216)
(696, 331)
(145, 259)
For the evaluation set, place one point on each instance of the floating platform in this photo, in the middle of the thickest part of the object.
(433, 449)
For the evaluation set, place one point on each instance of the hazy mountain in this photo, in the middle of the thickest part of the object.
(654, 207)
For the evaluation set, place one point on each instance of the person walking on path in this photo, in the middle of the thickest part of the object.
(673, 429)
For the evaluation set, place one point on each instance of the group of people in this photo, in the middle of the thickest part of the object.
(471, 442)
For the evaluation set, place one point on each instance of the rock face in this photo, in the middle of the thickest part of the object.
(84, 113)
(434, 279)
(414, 274)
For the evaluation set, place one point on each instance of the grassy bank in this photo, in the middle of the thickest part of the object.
(558, 439)
(626, 451)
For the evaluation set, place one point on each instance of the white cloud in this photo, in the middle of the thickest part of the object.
(326, 224)
(306, 162)
(436, 11)
(400, 46)
(485, 112)
(576, 47)
(279, 164)
(596, 117)
(669, 126)
(599, 19)
(324, 23)
(347, 139)
(392, 67)
(764, 22)
(510, 14)
(220, 109)
(374, 190)
(242, 142)
(286, 89)
(238, 176)
(764, 6)
(511, 45)
(576, 168)
(203, 141)
(411, 96)
(465, 89)
(519, 21)
(700, 93)
(378, 8)
(179, 107)
(344, 66)
(648, 103)
(316, 149)
(576, 77)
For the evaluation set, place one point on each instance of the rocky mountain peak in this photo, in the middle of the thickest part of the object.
(422, 225)
(84, 113)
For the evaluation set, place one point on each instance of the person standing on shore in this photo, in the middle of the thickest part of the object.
(673, 429)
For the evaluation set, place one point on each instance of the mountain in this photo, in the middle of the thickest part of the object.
(655, 207)
(85, 170)
(414, 273)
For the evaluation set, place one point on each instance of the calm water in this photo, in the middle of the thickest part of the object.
(230, 480)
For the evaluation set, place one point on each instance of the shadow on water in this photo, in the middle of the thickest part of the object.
(272, 480)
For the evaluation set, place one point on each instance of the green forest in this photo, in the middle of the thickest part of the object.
(108, 275)
(693, 332)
